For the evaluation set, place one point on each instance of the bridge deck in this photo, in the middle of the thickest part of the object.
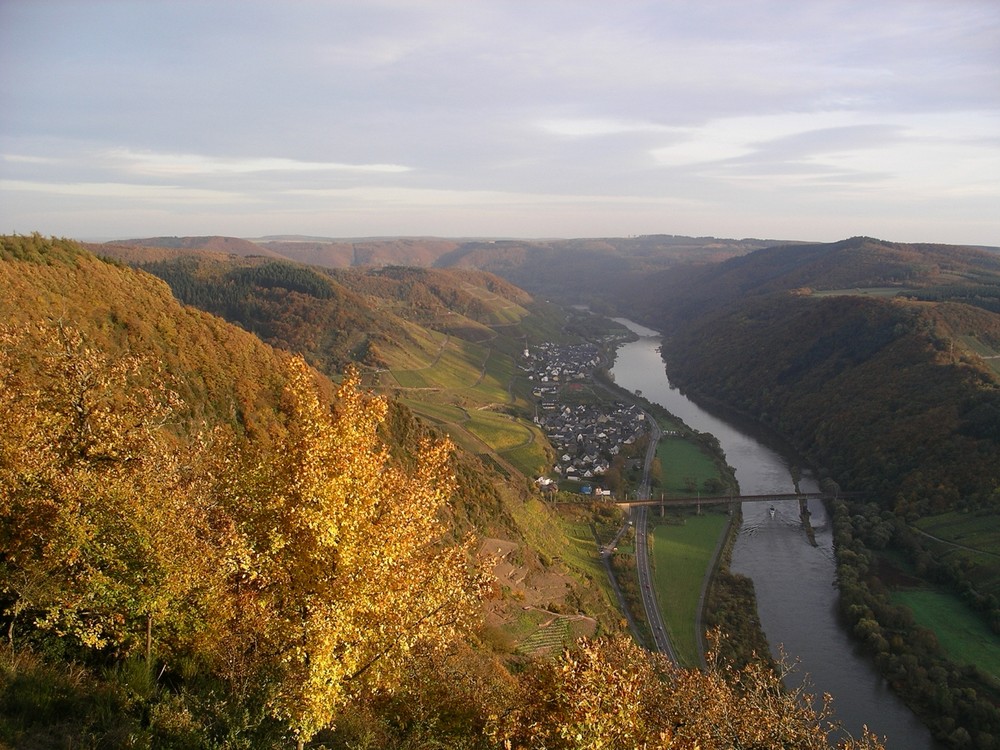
(724, 499)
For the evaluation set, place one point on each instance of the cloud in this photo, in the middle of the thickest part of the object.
(397, 107)
(125, 191)
(588, 127)
(436, 198)
(166, 164)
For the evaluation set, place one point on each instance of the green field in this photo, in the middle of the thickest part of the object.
(437, 413)
(963, 635)
(499, 431)
(531, 458)
(973, 538)
(681, 555)
(684, 462)
(568, 539)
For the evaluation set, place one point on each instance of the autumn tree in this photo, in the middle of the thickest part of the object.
(100, 517)
(339, 560)
(613, 695)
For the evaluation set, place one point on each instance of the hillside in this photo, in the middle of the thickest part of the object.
(419, 252)
(576, 270)
(815, 369)
(594, 271)
(878, 359)
(215, 244)
(879, 362)
(451, 369)
(441, 340)
(856, 265)
(222, 374)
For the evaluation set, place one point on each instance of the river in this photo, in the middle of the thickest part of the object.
(794, 581)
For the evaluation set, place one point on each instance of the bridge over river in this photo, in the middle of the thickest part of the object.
(727, 499)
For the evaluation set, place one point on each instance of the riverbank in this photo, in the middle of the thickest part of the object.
(794, 581)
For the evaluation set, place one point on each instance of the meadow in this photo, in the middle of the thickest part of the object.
(971, 538)
(684, 466)
(681, 555)
(960, 632)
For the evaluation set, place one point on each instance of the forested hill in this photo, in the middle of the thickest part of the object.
(593, 271)
(372, 316)
(221, 373)
(840, 348)
(889, 397)
(859, 263)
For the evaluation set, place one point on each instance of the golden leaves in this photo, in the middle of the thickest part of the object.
(97, 498)
(346, 550)
(611, 694)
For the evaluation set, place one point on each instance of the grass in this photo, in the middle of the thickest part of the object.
(435, 412)
(566, 537)
(979, 347)
(548, 639)
(499, 431)
(962, 634)
(981, 532)
(681, 556)
(458, 366)
(971, 537)
(530, 458)
(683, 462)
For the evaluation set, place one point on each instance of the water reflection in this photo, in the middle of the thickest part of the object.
(794, 580)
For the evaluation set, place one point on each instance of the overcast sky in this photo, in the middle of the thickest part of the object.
(814, 119)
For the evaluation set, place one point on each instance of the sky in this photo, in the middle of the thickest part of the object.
(814, 120)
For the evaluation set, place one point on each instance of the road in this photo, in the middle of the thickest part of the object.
(661, 641)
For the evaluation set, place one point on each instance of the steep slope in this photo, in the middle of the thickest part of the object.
(286, 304)
(849, 266)
(223, 374)
(579, 270)
(396, 317)
(882, 394)
(365, 253)
(594, 271)
(879, 362)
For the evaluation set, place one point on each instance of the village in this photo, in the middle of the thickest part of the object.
(585, 436)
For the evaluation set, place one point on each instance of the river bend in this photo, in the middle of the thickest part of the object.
(794, 580)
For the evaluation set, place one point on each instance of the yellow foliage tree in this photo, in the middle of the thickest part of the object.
(339, 560)
(613, 695)
(102, 525)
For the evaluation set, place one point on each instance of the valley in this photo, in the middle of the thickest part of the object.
(552, 428)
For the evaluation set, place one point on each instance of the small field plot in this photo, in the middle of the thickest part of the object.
(530, 458)
(964, 636)
(416, 349)
(973, 537)
(498, 431)
(987, 352)
(681, 554)
(581, 553)
(684, 466)
(493, 380)
(980, 532)
(458, 365)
